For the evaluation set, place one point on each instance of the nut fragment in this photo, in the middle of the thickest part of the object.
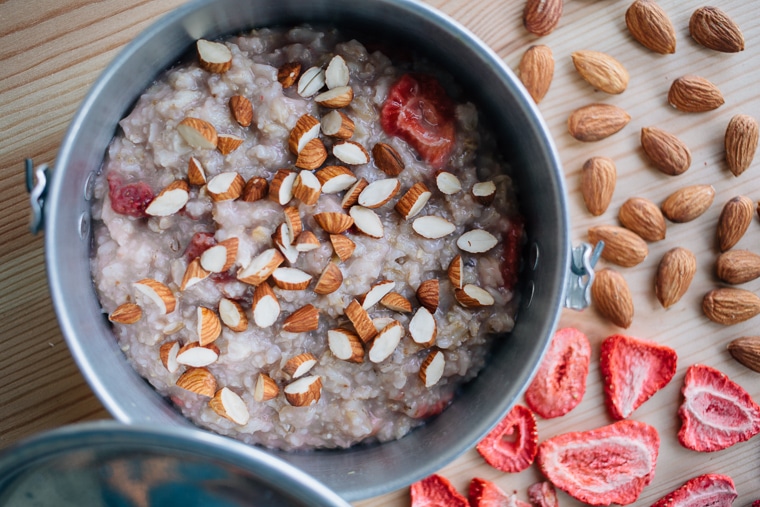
(598, 179)
(336, 73)
(668, 153)
(734, 221)
(472, 296)
(220, 257)
(746, 350)
(232, 315)
(694, 94)
(352, 194)
(730, 306)
(379, 192)
(293, 222)
(213, 56)
(448, 183)
(621, 246)
(266, 308)
(596, 122)
(304, 392)
(431, 369)
(288, 74)
(298, 366)
(335, 178)
(281, 187)
(198, 381)
(612, 297)
(261, 267)
(412, 202)
(361, 321)
(345, 345)
(155, 291)
(335, 98)
(387, 159)
(477, 241)
(686, 204)
(168, 354)
(396, 302)
(255, 188)
(333, 222)
(208, 326)
(537, 71)
(265, 388)
(367, 221)
(306, 187)
(198, 133)
(195, 355)
(650, 25)
(281, 240)
(126, 313)
(455, 270)
(311, 81)
(306, 242)
(541, 17)
(377, 292)
(350, 152)
(742, 134)
(714, 29)
(643, 217)
(230, 405)
(385, 342)
(338, 125)
(225, 186)
(330, 280)
(196, 174)
(241, 110)
(291, 278)
(193, 274)
(433, 227)
(674, 275)
(227, 143)
(170, 200)
(484, 192)
(601, 71)
(428, 294)
(342, 246)
(305, 130)
(423, 328)
(302, 320)
(312, 156)
(738, 266)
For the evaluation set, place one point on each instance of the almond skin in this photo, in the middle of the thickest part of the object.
(650, 25)
(694, 94)
(621, 246)
(686, 204)
(598, 178)
(241, 110)
(643, 217)
(537, 71)
(674, 275)
(746, 350)
(668, 153)
(730, 306)
(714, 29)
(601, 71)
(734, 221)
(541, 17)
(738, 266)
(596, 122)
(740, 141)
(612, 297)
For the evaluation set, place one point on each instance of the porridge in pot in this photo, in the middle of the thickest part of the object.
(303, 244)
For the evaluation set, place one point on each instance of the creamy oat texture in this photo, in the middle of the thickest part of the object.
(359, 401)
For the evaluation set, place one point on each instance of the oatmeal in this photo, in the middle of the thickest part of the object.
(303, 244)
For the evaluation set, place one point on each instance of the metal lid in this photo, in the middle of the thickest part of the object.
(111, 464)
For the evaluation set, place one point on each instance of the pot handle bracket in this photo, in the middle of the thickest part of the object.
(36, 185)
(578, 286)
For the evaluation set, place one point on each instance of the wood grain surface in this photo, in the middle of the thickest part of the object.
(51, 51)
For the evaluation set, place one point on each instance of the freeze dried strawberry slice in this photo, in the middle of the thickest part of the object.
(633, 370)
(716, 412)
(419, 111)
(511, 446)
(129, 199)
(711, 490)
(543, 494)
(611, 464)
(513, 240)
(560, 383)
(436, 491)
(485, 493)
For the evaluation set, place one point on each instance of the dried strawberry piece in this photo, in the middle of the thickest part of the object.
(633, 370)
(129, 199)
(756, 503)
(512, 241)
(199, 243)
(543, 494)
(436, 491)
(716, 412)
(560, 383)
(711, 490)
(511, 446)
(611, 464)
(485, 493)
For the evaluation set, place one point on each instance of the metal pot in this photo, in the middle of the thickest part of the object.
(362, 471)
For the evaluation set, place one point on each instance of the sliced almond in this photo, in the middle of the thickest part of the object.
(168, 354)
(261, 267)
(265, 388)
(433, 227)
(335, 98)
(428, 294)
(300, 365)
(288, 74)
(173, 327)
(477, 241)
(266, 308)
(423, 328)
(396, 302)
(293, 222)
(213, 56)
(302, 320)
(345, 345)
(198, 133)
(377, 292)
(311, 81)
(255, 188)
(282, 242)
(472, 296)
(412, 202)
(232, 315)
(431, 369)
(291, 278)
(385, 342)
(126, 313)
(305, 130)
(330, 280)
(230, 405)
(208, 326)
(312, 156)
(241, 110)
(198, 381)
(226, 186)
(336, 73)
(379, 192)
(381, 322)
(170, 200)
(197, 356)
(281, 187)
(448, 183)
(306, 242)
(304, 392)
(307, 188)
(342, 246)
(220, 257)
(484, 192)
(161, 295)
(335, 178)
(193, 274)
(455, 270)
(361, 321)
(227, 143)
(338, 125)
(387, 159)
(352, 194)
(367, 221)
(196, 174)
(350, 152)
(333, 222)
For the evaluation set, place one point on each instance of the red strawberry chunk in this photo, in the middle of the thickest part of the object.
(513, 241)
(419, 111)
(485, 493)
(511, 446)
(633, 370)
(709, 490)
(129, 199)
(756, 503)
(543, 494)
(560, 383)
(716, 412)
(436, 491)
(611, 464)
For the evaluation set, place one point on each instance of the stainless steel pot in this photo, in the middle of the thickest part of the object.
(363, 471)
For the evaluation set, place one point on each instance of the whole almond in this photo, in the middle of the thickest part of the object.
(650, 25)
(598, 178)
(742, 135)
(601, 71)
(643, 217)
(537, 71)
(694, 94)
(686, 204)
(738, 266)
(541, 17)
(714, 29)
(596, 122)
(746, 350)
(668, 153)
(621, 246)
(729, 306)
(612, 297)
(734, 221)
(674, 275)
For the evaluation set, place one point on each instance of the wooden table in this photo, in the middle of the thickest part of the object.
(52, 51)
